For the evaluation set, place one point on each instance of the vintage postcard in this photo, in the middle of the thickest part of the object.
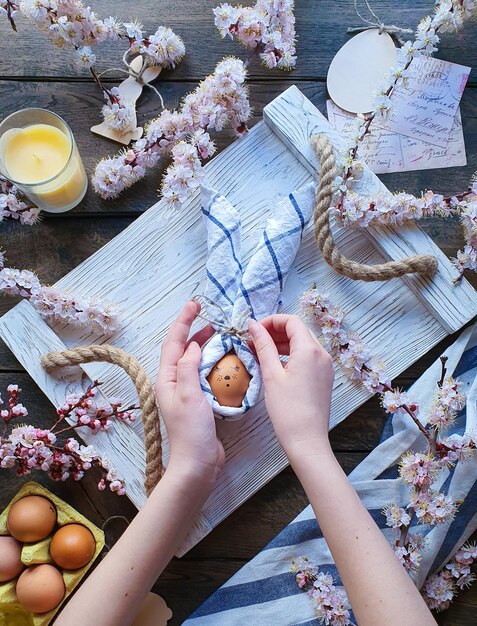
(385, 151)
(426, 107)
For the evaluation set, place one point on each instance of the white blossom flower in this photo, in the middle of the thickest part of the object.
(221, 98)
(86, 56)
(24, 436)
(396, 516)
(134, 30)
(439, 591)
(118, 112)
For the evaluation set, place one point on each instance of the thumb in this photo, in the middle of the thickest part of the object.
(266, 349)
(188, 367)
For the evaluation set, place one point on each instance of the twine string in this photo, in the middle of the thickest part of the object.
(391, 29)
(136, 75)
(149, 408)
(226, 327)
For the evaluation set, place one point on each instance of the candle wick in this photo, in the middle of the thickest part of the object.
(36, 157)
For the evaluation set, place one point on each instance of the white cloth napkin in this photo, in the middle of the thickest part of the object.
(265, 592)
(255, 289)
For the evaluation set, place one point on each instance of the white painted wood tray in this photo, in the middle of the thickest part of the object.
(158, 262)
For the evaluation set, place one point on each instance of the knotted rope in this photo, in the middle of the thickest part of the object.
(421, 264)
(142, 382)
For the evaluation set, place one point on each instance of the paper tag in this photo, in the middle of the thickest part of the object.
(358, 69)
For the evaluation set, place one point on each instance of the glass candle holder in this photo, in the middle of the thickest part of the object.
(38, 154)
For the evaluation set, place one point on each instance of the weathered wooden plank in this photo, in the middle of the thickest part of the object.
(80, 105)
(295, 120)
(321, 29)
(54, 247)
(139, 270)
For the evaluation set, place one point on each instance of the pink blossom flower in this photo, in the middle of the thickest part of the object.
(267, 28)
(218, 100)
(459, 447)
(432, 507)
(438, 591)
(409, 556)
(396, 516)
(418, 469)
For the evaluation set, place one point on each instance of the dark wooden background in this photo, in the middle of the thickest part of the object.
(35, 74)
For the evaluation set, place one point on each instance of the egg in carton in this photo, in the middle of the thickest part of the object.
(229, 372)
(38, 552)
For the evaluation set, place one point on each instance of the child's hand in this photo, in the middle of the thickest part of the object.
(187, 414)
(298, 393)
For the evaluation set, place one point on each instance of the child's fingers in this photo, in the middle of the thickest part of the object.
(266, 349)
(188, 370)
(299, 336)
(174, 344)
(202, 335)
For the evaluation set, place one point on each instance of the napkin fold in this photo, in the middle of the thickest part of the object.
(254, 290)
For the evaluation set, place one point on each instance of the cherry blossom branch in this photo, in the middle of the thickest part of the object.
(54, 305)
(15, 206)
(267, 29)
(28, 448)
(219, 100)
(440, 588)
(10, 9)
(400, 208)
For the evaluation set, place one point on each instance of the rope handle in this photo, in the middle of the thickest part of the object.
(420, 264)
(149, 408)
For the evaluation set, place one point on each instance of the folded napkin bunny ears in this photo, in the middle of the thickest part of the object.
(252, 291)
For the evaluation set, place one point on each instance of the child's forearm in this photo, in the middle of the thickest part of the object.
(114, 592)
(378, 587)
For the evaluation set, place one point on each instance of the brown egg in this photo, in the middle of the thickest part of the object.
(40, 588)
(229, 380)
(72, 546)
(32, 518)
(10, 558)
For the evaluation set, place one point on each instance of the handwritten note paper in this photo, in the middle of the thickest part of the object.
(385, 151)
(425, 109)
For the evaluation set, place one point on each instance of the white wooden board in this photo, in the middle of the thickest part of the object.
(158, 262)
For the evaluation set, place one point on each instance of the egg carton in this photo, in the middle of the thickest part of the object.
(39, 552)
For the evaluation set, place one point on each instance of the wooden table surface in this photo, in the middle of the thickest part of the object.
(36, 74)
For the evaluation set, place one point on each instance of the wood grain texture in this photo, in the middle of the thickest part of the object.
(61, 242)
(294, 119)
(321, 29)
(80, 105)
(139, 270)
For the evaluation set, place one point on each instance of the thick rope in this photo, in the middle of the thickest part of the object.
(421, 264)
(149, 408)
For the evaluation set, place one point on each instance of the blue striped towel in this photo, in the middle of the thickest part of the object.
(255, 289)
(264, 592)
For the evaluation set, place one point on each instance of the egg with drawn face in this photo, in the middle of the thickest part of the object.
(229, 380)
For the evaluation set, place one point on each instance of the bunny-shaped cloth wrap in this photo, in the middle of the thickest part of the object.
(255, 289)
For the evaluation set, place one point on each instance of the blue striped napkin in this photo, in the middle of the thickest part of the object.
(254, 290)
(265, 592)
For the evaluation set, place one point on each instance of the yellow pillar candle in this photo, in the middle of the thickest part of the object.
(43, 161)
